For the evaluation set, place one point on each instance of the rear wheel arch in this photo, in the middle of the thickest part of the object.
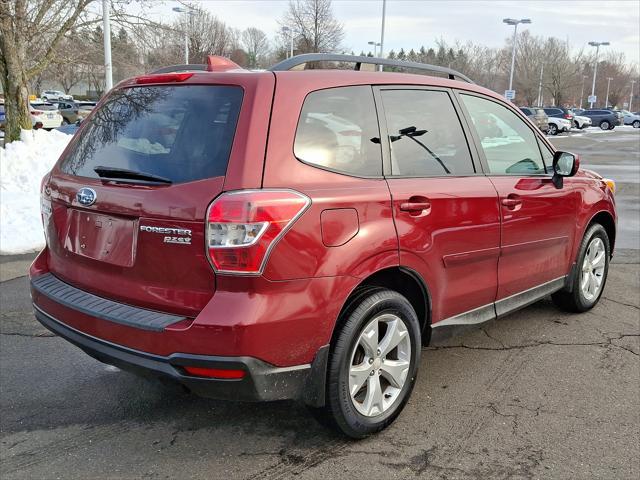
(403, 280)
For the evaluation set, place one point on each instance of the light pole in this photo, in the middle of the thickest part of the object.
(584, 77)
(189, 12)
(514, 22)
(540, 86)
(374, 47)
(106, 27)
(384, 14)
(631, 95)
(595, 68)
(289, 31)
(606, 101)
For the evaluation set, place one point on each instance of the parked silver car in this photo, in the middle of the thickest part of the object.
(54, 95)
(629, 118)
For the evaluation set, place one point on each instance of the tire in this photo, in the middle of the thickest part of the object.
(553, 129)
(577, 125)
(605, 125)
(386, 309)
(575, 299)
(612, 127)
(636, 124)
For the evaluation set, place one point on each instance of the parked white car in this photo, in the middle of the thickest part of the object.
(51, 95)
(45, 113)
(558, 125)
(581, 122)
(630, 118)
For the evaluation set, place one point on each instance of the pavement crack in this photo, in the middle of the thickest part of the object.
(30, 335)
(484, 330)
(625, 349)
(513, 416)
(622, 303)
(174, 437)
(504, 348)
(13, 278)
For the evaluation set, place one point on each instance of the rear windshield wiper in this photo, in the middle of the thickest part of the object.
(125, 174)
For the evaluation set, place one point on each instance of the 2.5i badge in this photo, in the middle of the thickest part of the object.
(181, 236)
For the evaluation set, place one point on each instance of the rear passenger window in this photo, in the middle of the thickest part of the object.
(425, 134)
(338, 130)
(509, 145)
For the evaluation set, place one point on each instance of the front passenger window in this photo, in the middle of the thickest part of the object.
(509, 145)
(425, 134)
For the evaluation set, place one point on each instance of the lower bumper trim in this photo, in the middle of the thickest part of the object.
(263, 382)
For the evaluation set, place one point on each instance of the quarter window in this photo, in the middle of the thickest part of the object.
(338, 130)
(509, 145)
(425, 134)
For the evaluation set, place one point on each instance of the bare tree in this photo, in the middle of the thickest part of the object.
(529, 61)
(207, 35)
(562, 70)
(316, 28)
(22, 24)
(256, 45)
(32, 37)
(615, 67)
(66, 67)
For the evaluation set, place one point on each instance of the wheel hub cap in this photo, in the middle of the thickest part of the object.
(593, 265)
(380, 362)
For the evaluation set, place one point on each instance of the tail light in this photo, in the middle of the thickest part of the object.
(567, 116)
(244, 226)
(45, 204)
(163, 78)
(36, 112)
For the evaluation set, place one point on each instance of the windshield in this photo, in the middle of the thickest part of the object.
(180, 133)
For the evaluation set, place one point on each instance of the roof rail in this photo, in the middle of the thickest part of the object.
(215, 63)
(359, 60)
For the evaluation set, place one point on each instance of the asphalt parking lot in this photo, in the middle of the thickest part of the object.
(537, 394)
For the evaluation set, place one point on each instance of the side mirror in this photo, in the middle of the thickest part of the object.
(565, 164)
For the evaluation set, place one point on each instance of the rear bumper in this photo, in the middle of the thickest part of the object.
(262, 381)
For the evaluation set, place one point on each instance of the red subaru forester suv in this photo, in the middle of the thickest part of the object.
(290, 234)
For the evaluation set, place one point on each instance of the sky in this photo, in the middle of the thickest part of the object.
(412, 23)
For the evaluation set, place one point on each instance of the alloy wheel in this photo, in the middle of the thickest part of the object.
(380, 362)
(593, 268)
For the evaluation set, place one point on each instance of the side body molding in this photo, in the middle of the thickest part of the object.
(504, 306)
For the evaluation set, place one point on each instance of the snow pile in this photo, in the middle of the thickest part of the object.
(22, 165)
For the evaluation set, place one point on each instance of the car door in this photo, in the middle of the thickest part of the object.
(537, 219)
(445, 210)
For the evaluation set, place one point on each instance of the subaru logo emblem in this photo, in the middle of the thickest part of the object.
(86, 196)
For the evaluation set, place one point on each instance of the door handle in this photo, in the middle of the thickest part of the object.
(511, 201)
(414, 206)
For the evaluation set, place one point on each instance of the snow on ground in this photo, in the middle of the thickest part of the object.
(22, 165)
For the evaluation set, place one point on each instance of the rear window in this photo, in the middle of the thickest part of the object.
(44, 106)
(182, 133)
